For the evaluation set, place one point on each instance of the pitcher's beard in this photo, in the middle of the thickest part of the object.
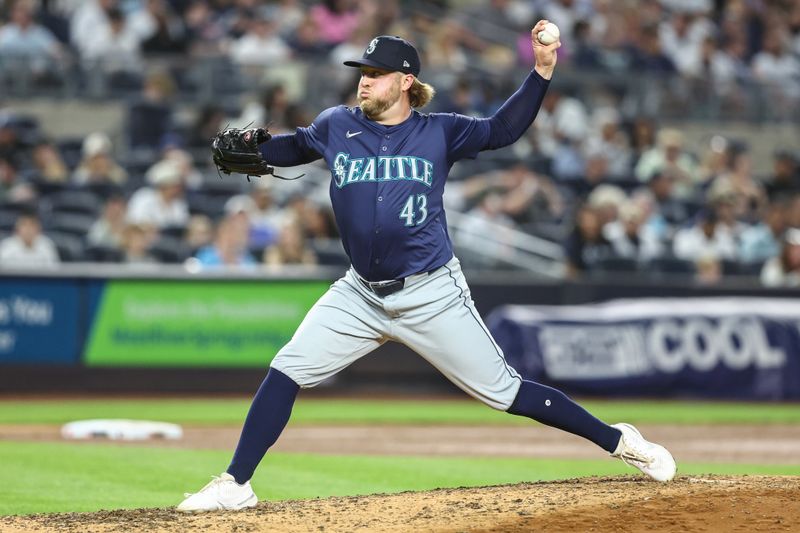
(374, 107)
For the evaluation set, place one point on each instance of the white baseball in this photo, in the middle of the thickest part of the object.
(549, 34)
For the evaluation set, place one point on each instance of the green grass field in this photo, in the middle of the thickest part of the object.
(338, 411)
(60, 477)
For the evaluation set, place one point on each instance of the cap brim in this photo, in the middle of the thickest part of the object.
(370, 63)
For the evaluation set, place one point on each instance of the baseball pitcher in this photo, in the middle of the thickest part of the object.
(388, 165)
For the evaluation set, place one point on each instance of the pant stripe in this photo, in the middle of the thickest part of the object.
(511, 372)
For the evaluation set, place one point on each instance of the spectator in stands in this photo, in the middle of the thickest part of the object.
(199, 233)
(607, 139)
(205, 30)
(150, 118)
(526, 196)
(488, 230)
(643, 137)
(89, 18)
(779, 71)
(317, 222)
(22, 40)
(49, 166)
(562, 123)
(289, 14)
(264, 217)
(793, 212)
(708, 269)
(210, 119)
(12, 188)
(784, 270)
(730, 72)
(682, 38)
(229, 248)
(487, 16)
(306, 42)
(114, 49)
(28, 247)
(606, 202)
(98, 165)
(273, 108)
(172, 150)
(10, 144)
(135, 242)
(670, 157)
(585, 53)
(785, 179)
(630, 237)
(715, 160)
(291, 248)
(739, 185)
(159, 28)
(762, 241)
(648, 54)
(261, 45)
(706, 238)
(586, 245)
(107, 231)
(161, 204)
(446, 53)
(336, 20)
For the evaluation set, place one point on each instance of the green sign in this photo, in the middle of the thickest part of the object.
(197, 323)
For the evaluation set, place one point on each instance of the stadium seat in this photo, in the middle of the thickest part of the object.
(71, 150)
(224, 187)
(74, 201)
(70, 248)
(212, 207)
(330, 252)
(103, 254)
(105, 190)
(77, 224)
(670, 267)
(174, 232)
(615, 264)
(169, 250)
(7, 220)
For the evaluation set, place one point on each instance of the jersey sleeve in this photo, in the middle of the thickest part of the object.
(315, 137)
(304, 146)
(465, 136)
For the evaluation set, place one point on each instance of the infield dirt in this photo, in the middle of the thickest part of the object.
(696, 503)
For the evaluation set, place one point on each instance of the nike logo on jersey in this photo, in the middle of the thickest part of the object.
(348, 134)
(347, 171)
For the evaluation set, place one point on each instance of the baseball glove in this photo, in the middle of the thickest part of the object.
(236, 150)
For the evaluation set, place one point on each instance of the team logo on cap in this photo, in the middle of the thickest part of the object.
(372, 45)
(405, 64)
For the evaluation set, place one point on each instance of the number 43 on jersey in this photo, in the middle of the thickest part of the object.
(415, 210)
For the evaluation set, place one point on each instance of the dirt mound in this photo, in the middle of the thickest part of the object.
(690, 503)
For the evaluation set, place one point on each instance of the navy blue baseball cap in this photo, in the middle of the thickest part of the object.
(390, 53)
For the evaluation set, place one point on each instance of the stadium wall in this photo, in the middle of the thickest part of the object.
(168, 331)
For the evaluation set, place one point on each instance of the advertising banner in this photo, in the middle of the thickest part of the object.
(39, 322)
(747, 348)
(196, 323)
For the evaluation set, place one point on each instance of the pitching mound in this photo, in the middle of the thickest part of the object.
(702, 503)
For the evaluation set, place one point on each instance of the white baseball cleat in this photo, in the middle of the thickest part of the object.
(652, 459)
(221, 494)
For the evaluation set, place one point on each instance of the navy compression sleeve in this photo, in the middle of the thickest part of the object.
(285, 151)
(516, 115)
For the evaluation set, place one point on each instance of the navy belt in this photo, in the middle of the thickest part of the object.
(383, 288)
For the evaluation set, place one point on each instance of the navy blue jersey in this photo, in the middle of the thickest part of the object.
(387, 182)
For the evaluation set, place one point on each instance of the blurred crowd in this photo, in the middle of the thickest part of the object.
(722, 45)
(624, 192)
